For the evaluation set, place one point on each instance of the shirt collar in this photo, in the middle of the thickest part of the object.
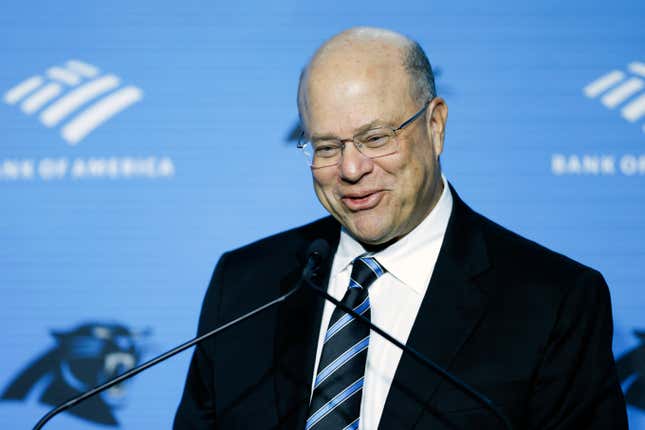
(404, 258)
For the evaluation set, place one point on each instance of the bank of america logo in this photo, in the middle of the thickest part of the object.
(618, 89)
(77, 97)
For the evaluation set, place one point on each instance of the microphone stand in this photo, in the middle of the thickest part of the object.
(417, 356)
(317, 252)
(136, 370)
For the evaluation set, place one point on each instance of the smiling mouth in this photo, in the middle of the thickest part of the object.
(362, 202)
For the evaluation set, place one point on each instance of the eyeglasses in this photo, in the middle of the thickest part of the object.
(373, 143)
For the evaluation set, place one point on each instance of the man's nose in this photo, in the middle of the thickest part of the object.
(354, 164)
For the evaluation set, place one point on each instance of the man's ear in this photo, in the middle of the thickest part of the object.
(436, 123)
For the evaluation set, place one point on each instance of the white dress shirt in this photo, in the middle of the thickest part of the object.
(395, 298)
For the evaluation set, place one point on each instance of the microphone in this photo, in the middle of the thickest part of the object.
(425, 361)
(317, 252)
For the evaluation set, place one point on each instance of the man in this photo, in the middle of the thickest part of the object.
(528, 328)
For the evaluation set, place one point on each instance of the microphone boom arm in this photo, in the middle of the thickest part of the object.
(136, 370)
(416, 355)
(317, 252)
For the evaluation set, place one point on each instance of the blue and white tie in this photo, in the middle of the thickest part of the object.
(338, 388)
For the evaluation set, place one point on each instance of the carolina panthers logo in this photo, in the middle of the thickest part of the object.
(631, 366)
(82, 358)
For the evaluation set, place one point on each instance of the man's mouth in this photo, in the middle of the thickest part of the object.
(362, 201)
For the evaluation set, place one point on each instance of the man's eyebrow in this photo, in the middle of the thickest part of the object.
(323, 137)
(370, 125)
(363, 128)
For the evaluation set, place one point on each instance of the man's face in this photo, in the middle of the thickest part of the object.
(378, 200)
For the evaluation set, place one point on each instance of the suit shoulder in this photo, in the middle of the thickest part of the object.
(524, 256)
(525, 270)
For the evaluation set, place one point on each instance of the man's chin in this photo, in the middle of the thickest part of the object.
(370, 233)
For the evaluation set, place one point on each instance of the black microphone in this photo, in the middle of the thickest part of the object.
(415, 354)
(317, 253)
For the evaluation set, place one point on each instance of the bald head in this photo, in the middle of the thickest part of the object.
(372, 87)
(369, 53)
(361, 39)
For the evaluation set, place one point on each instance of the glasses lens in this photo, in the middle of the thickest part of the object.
(305, 147)
(326, 152)
(377, 142)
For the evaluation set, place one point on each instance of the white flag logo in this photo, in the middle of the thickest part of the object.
(618, 89)
(63, 97)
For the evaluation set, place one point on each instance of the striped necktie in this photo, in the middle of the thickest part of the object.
(338, 387)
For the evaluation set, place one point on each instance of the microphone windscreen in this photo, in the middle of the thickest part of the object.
(318, 248)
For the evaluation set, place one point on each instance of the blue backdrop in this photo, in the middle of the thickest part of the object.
(140, 140)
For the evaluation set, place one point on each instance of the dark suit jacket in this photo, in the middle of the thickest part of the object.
(529, 328)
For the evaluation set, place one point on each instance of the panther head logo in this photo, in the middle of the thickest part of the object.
(631, 372)
(82, 358)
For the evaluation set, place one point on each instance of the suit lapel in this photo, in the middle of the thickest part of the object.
(449, 312)
(297, 333)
